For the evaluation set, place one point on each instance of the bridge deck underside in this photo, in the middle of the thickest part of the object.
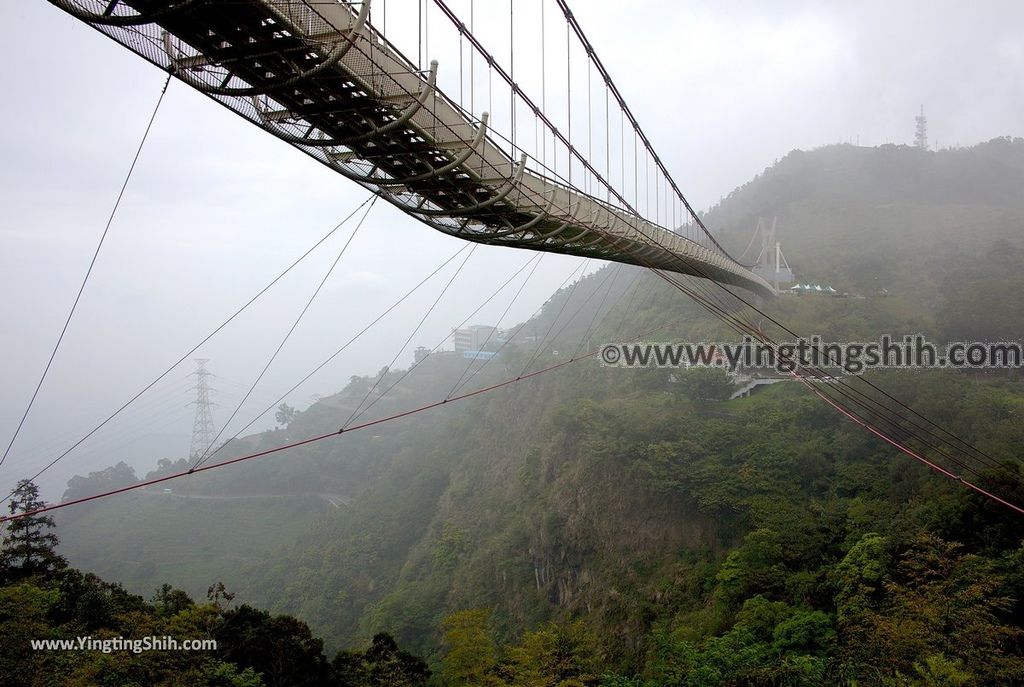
(322, 78)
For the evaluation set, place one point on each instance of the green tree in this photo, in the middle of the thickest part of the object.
(219, 596)
(943, 601)
(221, 674)
(557, 655)
(114, 477)
(24, 616)
(284, 415)
(705, 385)
(281, 648)
(471, 657)
(171, 601)
(381, 665)
(28, 542)
(753, 568)
(939, 671)
(858, 579)
(937, 601)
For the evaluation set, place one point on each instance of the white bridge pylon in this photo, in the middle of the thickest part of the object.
(770, 264)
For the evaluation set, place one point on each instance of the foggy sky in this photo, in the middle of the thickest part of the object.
(217, 207)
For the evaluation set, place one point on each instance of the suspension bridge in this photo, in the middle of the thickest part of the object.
(322, 77)
(538, 173)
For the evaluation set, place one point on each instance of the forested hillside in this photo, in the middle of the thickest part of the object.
(633, 527)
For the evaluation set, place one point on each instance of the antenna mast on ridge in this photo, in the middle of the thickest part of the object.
(921, 134)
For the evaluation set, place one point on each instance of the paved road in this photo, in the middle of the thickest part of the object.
(335, 500)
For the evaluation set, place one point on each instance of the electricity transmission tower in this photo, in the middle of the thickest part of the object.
(203, 431)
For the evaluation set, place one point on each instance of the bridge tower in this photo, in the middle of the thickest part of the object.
(771, 263)
(203, 430)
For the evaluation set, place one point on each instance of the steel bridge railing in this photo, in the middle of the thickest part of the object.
(322, 78)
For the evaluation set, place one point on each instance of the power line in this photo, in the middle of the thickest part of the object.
(309, 440)
(760, 334)
(405, 344)
(845, 392)
(340, 350)
(88, 272)
(540, 344)
(194, 348)
(490, 334)
(288, 334)
(462, 324)
(735, 320)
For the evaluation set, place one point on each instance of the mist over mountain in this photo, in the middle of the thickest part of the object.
(657, 529)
